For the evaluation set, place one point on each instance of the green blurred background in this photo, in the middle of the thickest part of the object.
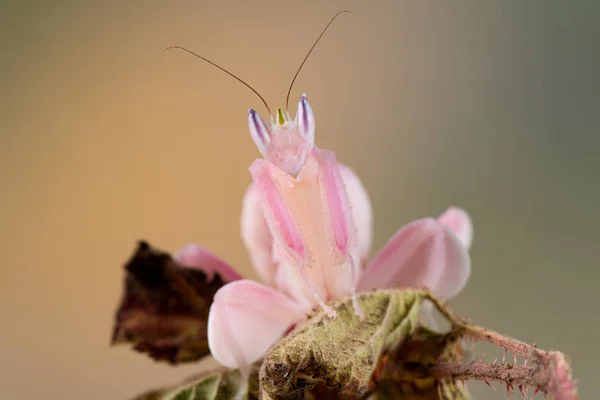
(105, 139)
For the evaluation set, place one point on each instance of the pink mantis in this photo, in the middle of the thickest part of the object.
(307, 224)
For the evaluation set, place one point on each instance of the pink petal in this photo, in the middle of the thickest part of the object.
(421, 254)
(361, 210)
(257, 237)
(246, 319)
(197, 257)
(460, 223)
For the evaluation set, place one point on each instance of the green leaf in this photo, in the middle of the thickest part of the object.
(221, 384)
(164, 308)
(341, 353)
(151, 395)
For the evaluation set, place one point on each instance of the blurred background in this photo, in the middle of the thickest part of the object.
(105, 138)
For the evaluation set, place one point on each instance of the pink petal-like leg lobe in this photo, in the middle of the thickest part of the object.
(197, 257)
(402, 261)
(460, 223)
(246, 319)
(362, 211)
(257, 237)
(289, 281)
(421, 254)
(337, 202)
(277, 215)
(340, 216)
(450, 253)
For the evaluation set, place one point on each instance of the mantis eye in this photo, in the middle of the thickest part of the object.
(259, 131)
(305, 120)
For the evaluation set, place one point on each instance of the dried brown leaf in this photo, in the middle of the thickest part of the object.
(164, 307)
(396, 378)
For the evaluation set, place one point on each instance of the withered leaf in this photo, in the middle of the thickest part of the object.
(164, 307)
(398, 376)
(340, 353)
(388, 390)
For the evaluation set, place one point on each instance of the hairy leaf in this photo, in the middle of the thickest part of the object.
(341, 353)
(164, 307)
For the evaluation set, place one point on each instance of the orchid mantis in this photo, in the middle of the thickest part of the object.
(307, 224)
(306, 207)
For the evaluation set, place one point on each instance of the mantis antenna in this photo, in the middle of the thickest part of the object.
(287, 99)
(224, 70)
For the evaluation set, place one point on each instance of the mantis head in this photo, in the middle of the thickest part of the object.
(288, 143)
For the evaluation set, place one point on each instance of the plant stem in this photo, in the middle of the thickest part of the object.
(551, 372)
